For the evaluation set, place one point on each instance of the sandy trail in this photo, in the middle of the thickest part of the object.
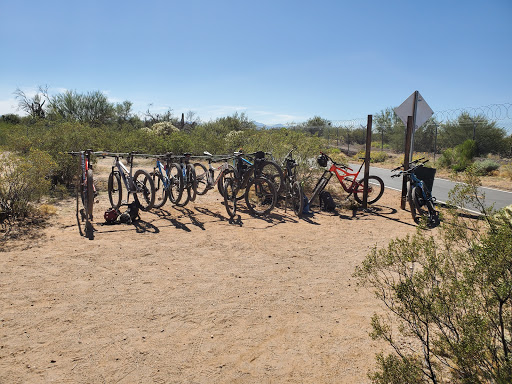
(183, 296)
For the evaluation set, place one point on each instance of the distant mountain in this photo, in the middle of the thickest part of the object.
(266, 126)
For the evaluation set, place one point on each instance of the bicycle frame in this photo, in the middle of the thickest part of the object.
(212, 180)
(342, 173)
(125, 173)
(164, 172)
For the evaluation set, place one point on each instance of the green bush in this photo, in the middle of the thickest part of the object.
(460, 157)
(485, 167)
(449, 298)
(375, 157)
(23, 180)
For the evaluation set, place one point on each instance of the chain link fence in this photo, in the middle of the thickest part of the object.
(489, 126)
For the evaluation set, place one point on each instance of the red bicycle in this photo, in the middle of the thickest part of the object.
(348, 180)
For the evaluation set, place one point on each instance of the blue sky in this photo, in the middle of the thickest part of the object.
(277, 61)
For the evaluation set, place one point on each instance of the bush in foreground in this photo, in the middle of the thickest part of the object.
(449, 299)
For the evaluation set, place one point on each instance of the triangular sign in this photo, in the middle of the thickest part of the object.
(423, 110)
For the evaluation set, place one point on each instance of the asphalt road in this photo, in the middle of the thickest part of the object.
(499, 198)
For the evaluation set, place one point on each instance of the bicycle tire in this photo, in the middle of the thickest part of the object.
(89, 198)
(273, 171)
(160, 190)
(145, 189)
(201, 178)
(230, 197)
(186, 190)
(221, 179)
(297, 199)
(375, 190)
(230, 173)
(115, 189)
(423, 209)
(192, 181)
(320, 186)
(78, 195)
(176, 184)
(260, 196)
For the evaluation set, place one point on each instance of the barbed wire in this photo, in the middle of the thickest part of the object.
(501, 113)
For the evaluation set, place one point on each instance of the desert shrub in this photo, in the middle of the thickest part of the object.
(460, 157)
(163, 128)
(449, 297)
(23, 180)
(485, 167)
(506, 171)
(375, 157)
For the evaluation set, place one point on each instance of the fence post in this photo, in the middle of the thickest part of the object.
(367, 161)
(435, 143)
(408, 150)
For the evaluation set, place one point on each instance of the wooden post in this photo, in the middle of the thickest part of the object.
(408, 139)
(367, 160)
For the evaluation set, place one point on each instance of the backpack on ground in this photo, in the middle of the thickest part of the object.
(326, 202)
(133, 211)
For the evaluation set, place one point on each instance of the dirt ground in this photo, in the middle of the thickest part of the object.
(183, 296)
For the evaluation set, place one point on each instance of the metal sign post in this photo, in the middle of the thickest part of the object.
(415, 106)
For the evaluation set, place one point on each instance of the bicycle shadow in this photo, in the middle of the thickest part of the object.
(384, 212)
(166, 215)
(192, 217)
(142, 226)
(208, 212)
(88, 231)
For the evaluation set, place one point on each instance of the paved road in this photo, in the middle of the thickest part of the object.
(442, 187)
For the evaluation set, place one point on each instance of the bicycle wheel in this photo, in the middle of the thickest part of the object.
(260, 196)
(115, 189)
(272, 171)
(422, 208)
(176, 184)
(230, 197)
(231, 174)
(226, 173)
(186, 189)
(160, 190)
(191, 182)
(89, 198)
(297, 199)
(320, 185)
(201, 178)
(145, 189)
(375, 189)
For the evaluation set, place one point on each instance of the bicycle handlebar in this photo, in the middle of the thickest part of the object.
(412, 166)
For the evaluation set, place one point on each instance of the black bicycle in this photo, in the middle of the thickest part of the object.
(260, 193)
(189, 191)
(419, 191)
(293, 191)
(168, 179)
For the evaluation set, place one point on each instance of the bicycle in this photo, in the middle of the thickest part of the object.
(260, 193)
(189, 181)
(292, 187)
(348, 180)
(168, 181)
(85, 192)
(266, 168)
(205, 177)
(140, 185)
(419, 191)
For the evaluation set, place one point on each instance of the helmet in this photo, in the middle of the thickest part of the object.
(111, 215)
(322, 160)
(125, 218)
